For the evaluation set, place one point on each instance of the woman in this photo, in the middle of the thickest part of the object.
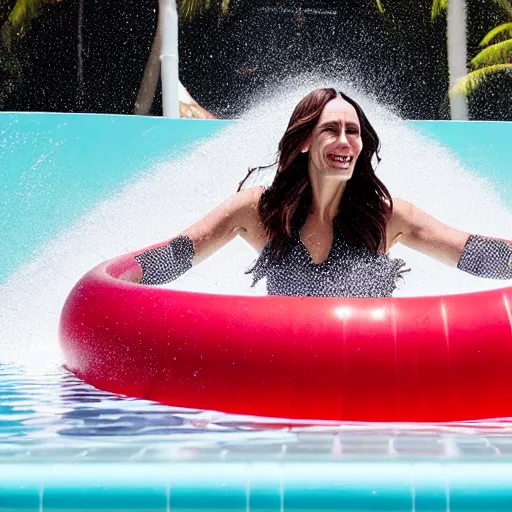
(325, 225)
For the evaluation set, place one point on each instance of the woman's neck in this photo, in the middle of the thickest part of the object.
(326, 198)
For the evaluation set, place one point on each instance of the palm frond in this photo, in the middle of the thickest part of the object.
(503, 29)
(22, 14)
(380, 7)
(438, 7)
(189, 8)
(505, 6)
(499, 53)
(472, 81)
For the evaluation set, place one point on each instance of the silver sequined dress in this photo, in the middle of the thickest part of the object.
(349, 271)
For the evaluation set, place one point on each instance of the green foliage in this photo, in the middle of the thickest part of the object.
(469, 83)
(505, 6)
(499, 53)
(491, 60)
(505, 29)
(22, 14)
(189, 8)
(11, 72)
(24, 11)
(11, 58)
(438, 7)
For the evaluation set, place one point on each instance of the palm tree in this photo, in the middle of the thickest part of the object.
(19, 19)
(494, 58)
(456, 47)
(163, 61)
(491, 60)
(164, 49)
(456, 44)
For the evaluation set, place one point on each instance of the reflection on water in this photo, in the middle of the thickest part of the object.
(54, 414)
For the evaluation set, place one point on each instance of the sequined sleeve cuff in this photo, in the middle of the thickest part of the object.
(166, 263)
(486, 257)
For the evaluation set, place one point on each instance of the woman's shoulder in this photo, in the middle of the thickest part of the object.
(250, 195)
(245, 202)
(245, 206)
(399, 221)
(402, 210)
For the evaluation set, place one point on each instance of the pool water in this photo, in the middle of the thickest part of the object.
(57, 166)
(67, 446)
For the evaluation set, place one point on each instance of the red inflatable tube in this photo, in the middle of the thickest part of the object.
(431, 359)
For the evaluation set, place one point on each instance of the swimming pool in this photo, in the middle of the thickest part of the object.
(66, 446)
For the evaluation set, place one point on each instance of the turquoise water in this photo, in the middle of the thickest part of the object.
(67, 446)
(482, 146)
(55, 167)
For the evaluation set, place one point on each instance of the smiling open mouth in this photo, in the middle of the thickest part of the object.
(341, 161)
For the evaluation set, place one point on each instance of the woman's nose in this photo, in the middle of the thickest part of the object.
(342, 139)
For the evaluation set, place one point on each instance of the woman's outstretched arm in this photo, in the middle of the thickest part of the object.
(475, 254)
(236, 216)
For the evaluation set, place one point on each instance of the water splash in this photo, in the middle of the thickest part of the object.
(166, 199)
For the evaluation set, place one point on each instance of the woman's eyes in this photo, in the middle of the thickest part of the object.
(335, 131)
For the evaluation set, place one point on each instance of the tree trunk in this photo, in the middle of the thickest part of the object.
(457, 54)
(149, 82)
(169, 58)
(177, 102)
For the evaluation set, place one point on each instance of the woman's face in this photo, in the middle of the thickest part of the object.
(335, 142)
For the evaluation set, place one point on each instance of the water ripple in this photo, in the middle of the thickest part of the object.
(53, 415)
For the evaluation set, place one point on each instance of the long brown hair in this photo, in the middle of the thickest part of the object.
(366, 204)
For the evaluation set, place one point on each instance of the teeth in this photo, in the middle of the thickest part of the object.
(341, 158)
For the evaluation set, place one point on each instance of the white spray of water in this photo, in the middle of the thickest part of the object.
(166, 199)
